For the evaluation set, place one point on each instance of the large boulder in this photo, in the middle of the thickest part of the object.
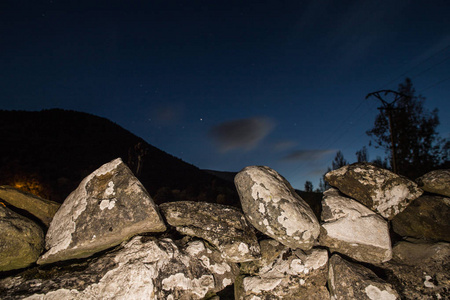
(142, 268)
(379, 189)
(427, 217)
(21, 240)
(353, 281)
(223, 226)
(109, 206)
(274, 208)
(42, 209)
(283, 273)
(420, 270)
(352, 229)
(437, 182)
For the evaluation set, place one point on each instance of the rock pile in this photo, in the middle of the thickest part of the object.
(109, 240)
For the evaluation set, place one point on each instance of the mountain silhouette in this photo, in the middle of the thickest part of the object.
(49, 152)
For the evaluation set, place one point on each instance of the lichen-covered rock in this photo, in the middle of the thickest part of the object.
(437, 182)
(352, 229)
(143, 268)
(109, 206)
(283, 273)
(427, 217)
(274, 208)
(21, 240)
(420, 270)
(223, 226)
(42, 209)
(348, 280)
(379, 189)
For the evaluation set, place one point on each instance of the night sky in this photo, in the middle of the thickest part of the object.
(227, 84)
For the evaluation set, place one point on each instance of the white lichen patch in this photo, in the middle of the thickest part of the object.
(110, 189)
(257, 284)
(428, 283)
(106, 203)
(243, 248)
(195, 247)
(262, 208)
(375, 293)
(198, 286)
(393, 198)
(226, 282)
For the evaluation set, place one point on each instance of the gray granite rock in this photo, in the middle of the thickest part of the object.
(42, 209)
(427, 217)
(274, 208)
(352, 229)
(283, 273)
(437, 182)
(379, 189)
(109, 206)
(142, 268)
(21, 240)
(353, 281)
(223, 226)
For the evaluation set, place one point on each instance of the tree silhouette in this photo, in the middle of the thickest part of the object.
(407, 131)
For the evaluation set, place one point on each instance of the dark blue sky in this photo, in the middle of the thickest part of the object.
(222, 84)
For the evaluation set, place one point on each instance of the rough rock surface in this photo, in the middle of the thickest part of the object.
(21, 240)
(427, 217)
(378, 189)
(437, 182)
(42, 209)
(283, 273)
(109, 206)
(353, 281)
(420, 271)
(144, 268)
(223, 226)
(274, 208)
(352, 229)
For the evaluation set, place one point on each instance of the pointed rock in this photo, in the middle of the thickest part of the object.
(223, 226)
(352, 229)
(348, 280)
(42, 209)
(274, 208)
(21, 240)
(427, 217)
(379, 189)
(109, 206)
(437, 182)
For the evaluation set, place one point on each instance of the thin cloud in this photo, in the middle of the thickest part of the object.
(284, 145)
(307, 155)
(243, 134)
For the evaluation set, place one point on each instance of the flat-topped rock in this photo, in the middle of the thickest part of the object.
(42, 209)
(223, 226)
(437, 182)
(379, 189)
(273, 207)
(109, 206)
(21, 240)
(352, 229)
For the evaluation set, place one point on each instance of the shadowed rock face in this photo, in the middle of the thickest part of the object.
(223, 226)
(427, 217)
(437, 182)
(352, 229)
(21, 240)
(379, 189)
(109, 206)
(352, 281)
(274, 208)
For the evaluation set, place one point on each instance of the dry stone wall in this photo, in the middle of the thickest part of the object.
(378, 237)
